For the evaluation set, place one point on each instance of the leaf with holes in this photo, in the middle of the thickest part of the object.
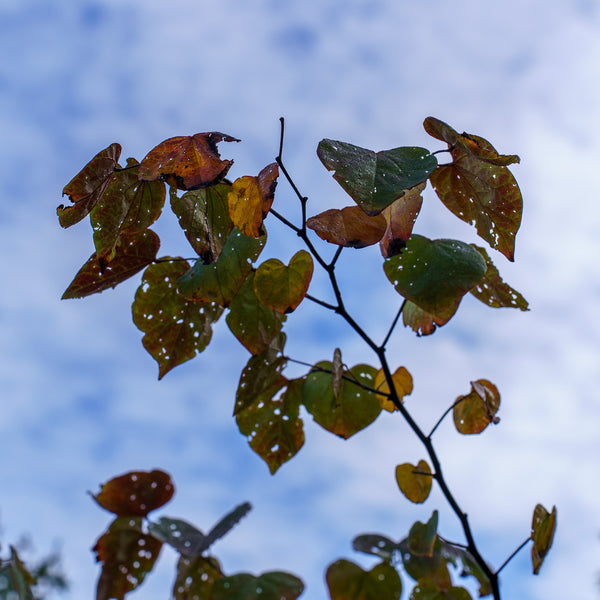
(419, 320)
(347, 581)
(273, 426)
(250, 200)
(349, 227)
(175, 329)
(433, 568)
(253, 324)
(491, 290)
(427, 590)
(87, 187)
(403, 384)
(133, 253)
(188, 162)
(274, 585)
(204, 217)
(475, 411)
(135, 493)
(435, 274)
(414, 481)
(375, 180)
(127, 556)
(400, 217)
(543, 526)
(283, 288)
(468, 566)
(196, 577)
(422, 536)
(375, 544)
(220, 282)
(353, 409)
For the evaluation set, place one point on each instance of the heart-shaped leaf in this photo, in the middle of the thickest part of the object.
(375, 180)
(433, 568)
(435, 274)
(403, 384)
(283, 288)
(543, 526)
(475, 411)
(375, 544)
(187, 162)
(427, 590)
(347, 581)
(275, 585)
(422, 536)
(414, 481)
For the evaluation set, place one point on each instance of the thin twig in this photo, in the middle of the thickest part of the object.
(513, 555)
(446, 413)
(394, 322)
(322, 303)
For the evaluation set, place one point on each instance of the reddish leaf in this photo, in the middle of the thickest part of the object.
(543, 526)
(187, 162)
(133, 253)
(250, 200)
(420, 321)
(414, 481)
(86, 188)
(347, 581)
(135, 493)
(127, 554)
(349, 227)
(175, 329)
(400, 217)
(475, 411)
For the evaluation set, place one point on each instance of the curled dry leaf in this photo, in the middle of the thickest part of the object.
(543, 526)
(475, 411)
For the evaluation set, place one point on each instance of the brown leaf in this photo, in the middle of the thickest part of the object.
(475, 411)
(419, 320)
(187, 162)
(543, 526)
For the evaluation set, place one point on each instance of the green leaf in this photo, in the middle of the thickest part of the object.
(196, 577)
(21, 579)
(227, 523)
(414, 481)
(273, 425)
(179, 534)
(283, 288)
(175, 329)
(475, 411)
(275, 585)
(435, 274)
(427, 590)
(373, 543)
(433, 568)
(419, 320)
(133, 253)
(347, 581)
(221, 281)
(253, 324)
(375, 180)
(469, 566)
(422, 536)
(543, 527)
(204, 217)
(491, 290)
(353, 409)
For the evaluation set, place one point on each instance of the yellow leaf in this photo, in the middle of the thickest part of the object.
(403, 383)
(414, 482)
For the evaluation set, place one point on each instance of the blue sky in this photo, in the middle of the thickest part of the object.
(80, 398)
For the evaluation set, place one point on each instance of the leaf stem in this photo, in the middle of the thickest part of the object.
(394, 322)
(513, 555)
(446, 413)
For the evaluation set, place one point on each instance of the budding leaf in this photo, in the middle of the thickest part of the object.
(414, 481)
(543, 526)
(475, 411)
(348, 581)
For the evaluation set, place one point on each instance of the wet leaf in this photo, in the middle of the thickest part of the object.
(475, 411)
(250, 200)
(543, 527)
(86, 188)
(283, 288)
(127, 556)
(273, 425)
(275, 585)
(347, 581)
(403, 384)
(375, 180)
(204, 217)
(435, 274)
(175, 329)
(135, 493)
(187, 162)
(220, 282)
(253, 324)
(349, 227)
(400, 218)
(422, 536)
(353, 409)
(433, 568)
(195, 577)
(427, 590)
(419, 320)
(133, 253)
(491, 290)
(375, 544)
(414, 481)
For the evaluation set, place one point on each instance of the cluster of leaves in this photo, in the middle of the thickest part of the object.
(179, 300)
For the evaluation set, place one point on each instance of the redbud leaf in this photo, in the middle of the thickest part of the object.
(468, 566)
(475, 411)
(433, 568)
(419, 320)
(403, 384)
(18, 578)
(543, 526)
(195, 577)
(414, 481)
(375, 544)
(422, 536)
(348, 581)
(427, 590)
(274, 585)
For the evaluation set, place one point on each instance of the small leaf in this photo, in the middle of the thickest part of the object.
(353, 409)
(196, 577)
(422, 536)
(543, 526)
(337, 372)
(187, 162)
(221, 281)
(419, 320)
(347, 581)
(179, 534)
(87, 187)
(435, 274)
(21, 579)
(491, 290)
(349, 227)
(133, 253)
(403, 384)
(227, 523)
(175, 329)
(427, 590)
(414, 481)
(475, 411)
(274, 585)
(375, 180)
(283, 288)
(373, 543)
(250, 200)
(433, 568)
(135, 493)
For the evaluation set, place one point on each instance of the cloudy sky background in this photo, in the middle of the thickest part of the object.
(80, 400)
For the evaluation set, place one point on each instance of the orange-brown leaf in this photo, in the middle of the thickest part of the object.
(403, 384)
(188, 162)
(420, 321)
(543, 526)
(475, 411)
